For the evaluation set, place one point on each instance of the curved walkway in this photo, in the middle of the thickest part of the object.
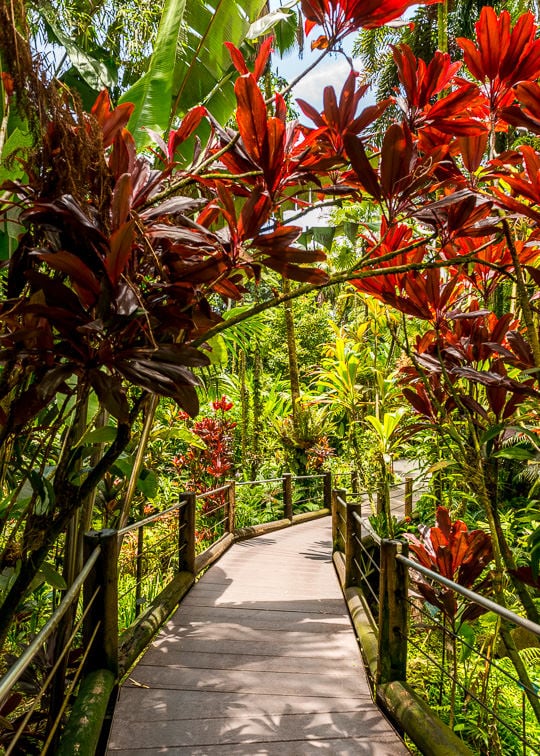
(260, 658)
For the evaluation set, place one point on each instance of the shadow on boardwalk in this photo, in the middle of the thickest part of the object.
(260, 658)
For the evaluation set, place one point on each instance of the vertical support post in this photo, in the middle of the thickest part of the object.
(337, 540)
(103, 612)
(186, 534)
(230, 522)
(351, 529)
(355, 482)
(287, 496)
(408, 497)
(393, 613)
(139, 565)
(327, 490)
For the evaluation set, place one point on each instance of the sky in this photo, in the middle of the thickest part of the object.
(333, 70)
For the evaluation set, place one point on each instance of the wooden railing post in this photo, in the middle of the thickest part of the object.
(230, 522)
(351, 554)
(327, 490)
(103, 608)
(287, 496)
(393, 613)
(336, 541)
(408, 497)
(186, 534)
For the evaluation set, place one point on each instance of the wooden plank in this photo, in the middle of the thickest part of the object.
(249, 662)
(244, 681)
(259, 658)
(160, 704)
(263, 729)
(335, 747)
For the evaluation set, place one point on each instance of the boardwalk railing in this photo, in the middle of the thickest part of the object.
(390, 617)
(131, 581)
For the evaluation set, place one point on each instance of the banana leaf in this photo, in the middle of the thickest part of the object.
(190, 64)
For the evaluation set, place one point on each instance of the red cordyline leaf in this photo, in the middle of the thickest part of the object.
(525, 185)
(422, 82)
(188, 125)
(502, 56)
(454, 552)
(83, 279)
(121, 243)
(387, 244)
(484, 278)
(261, 60)
(111, 121)
(341, 17)
(339, 118)
(455, 113)
(251, 116)
(403, 172)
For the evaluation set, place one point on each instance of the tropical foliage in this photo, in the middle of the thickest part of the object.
(149, 238)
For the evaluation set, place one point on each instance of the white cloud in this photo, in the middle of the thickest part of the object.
(311, 87)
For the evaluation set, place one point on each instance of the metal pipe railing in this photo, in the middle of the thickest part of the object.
(488, 604)
(98, 582)
(151, 518)
(15, 672)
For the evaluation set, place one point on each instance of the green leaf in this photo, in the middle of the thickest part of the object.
(516, 452)
(148, 484)
(42, 487)
(124, 466)
(286, 33)
(94, 72)
(152, 93)
(324, 235)
(193, 35)
(180, 433)
(351, 231)
(218, 353)
(18, 141)
(467, 634)
(52, 577)
(534, 543)
(98, 436)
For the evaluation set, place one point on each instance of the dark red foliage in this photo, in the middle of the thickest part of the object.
(208, 468)
(453, 112)
(337, 119)
(502, 57)
(456, 553)
(341, 17)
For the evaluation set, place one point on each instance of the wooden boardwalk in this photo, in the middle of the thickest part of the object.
(260, 658)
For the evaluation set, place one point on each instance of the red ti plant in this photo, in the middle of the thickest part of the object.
(209, 467)
(457, 554)
(460, 555)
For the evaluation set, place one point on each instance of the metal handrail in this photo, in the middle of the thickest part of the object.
(151, 518)
(14, 673)
(367, 525)
(205, 494)
(257, 482)
(486, 603)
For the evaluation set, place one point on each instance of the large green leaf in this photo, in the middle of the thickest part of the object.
(93, 71)
(193, 35)
(152, 93)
